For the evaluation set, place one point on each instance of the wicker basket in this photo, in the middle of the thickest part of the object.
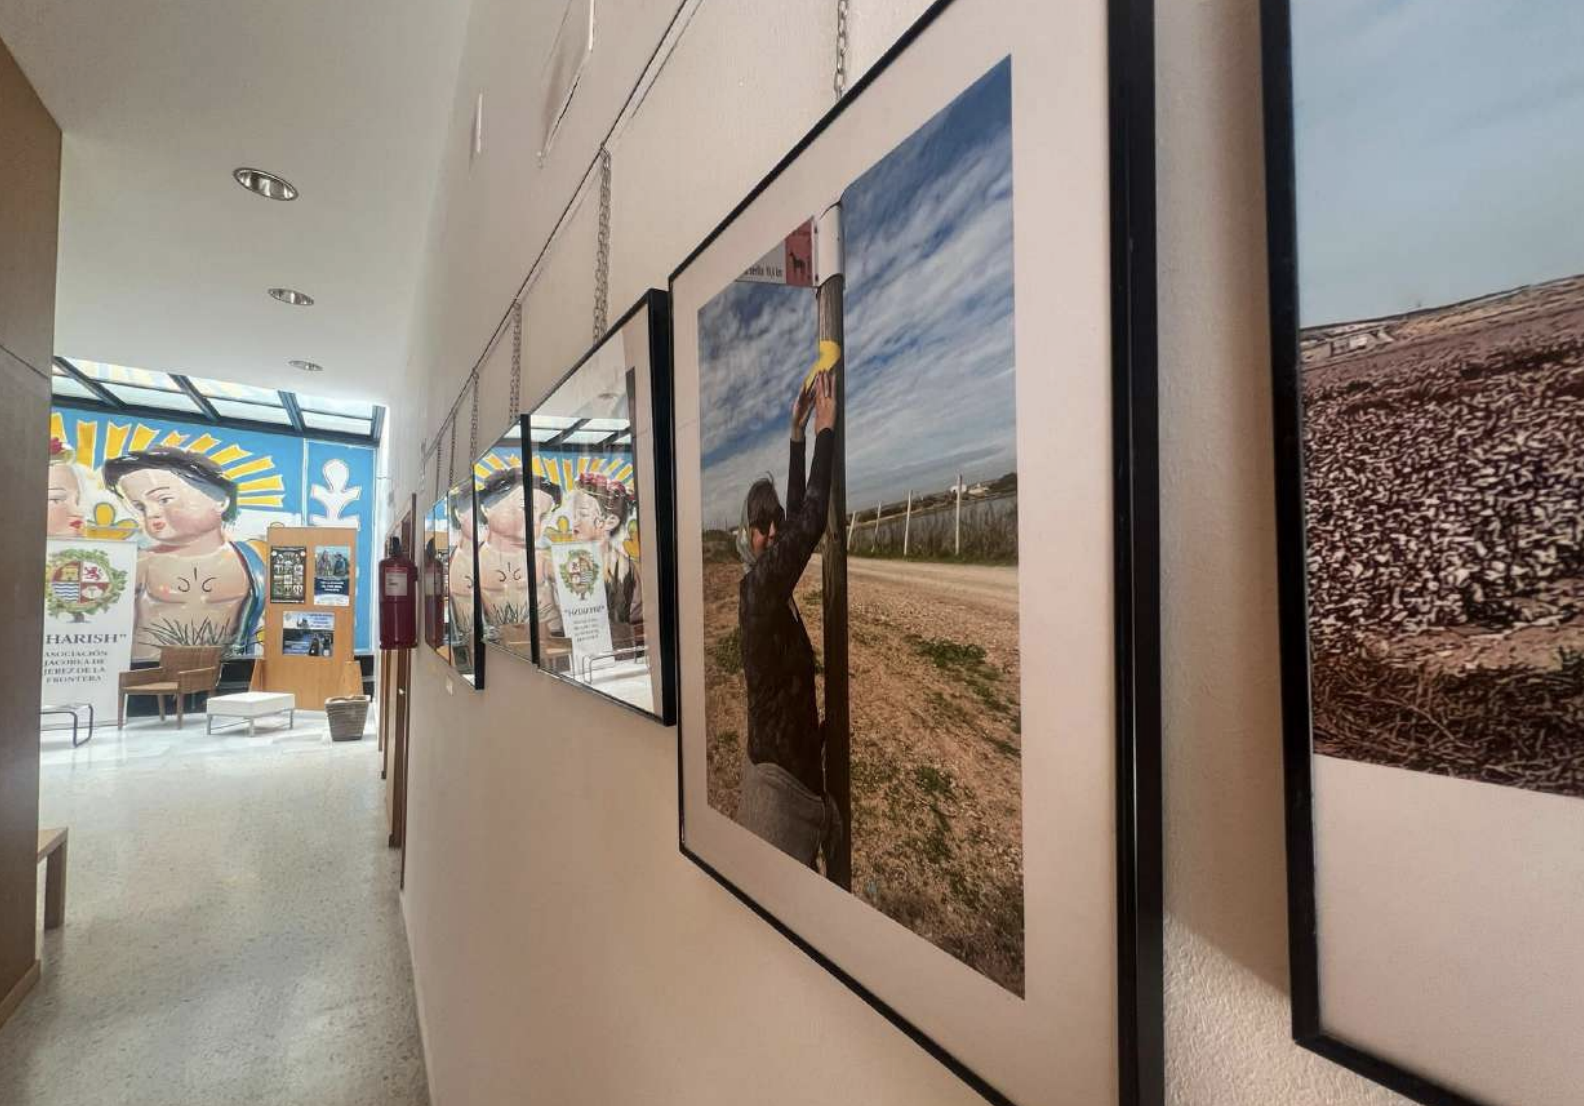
(347, 715)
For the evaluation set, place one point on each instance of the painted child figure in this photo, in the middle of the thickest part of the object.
(503, 554)
(194, 585)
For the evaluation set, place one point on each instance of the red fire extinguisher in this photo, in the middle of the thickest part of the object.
(398, 612)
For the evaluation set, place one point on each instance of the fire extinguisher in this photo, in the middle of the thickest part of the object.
(398, 612)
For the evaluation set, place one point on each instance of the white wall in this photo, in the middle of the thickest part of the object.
(565, 951)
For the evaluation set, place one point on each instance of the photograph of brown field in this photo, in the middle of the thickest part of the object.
(1444, 495)
(935, 739)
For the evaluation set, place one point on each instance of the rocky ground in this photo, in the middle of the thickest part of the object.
(1444, 469)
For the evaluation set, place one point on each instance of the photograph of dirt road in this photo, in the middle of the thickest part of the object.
(930, 602)
(1441, 301)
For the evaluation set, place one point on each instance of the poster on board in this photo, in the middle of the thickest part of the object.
(307, 634)
(88, 610)
(289, 574)
(333, 576)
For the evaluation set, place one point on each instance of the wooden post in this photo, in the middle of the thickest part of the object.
(874, 545)
(830, 270)
(907, 524)
(957, 527)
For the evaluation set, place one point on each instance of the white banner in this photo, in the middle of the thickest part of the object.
(89, 589)
(580, 589)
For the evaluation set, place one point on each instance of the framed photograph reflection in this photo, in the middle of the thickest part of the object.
(432, 569)
(464, 620)
(599, 490)
(919, 721)
(504, 592)
(1427, 294)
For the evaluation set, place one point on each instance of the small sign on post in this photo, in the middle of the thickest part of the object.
(790, 263)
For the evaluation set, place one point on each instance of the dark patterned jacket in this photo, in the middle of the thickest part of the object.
(777, 658)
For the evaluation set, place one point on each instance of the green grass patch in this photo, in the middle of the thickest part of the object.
(932, 780)
(727, 652)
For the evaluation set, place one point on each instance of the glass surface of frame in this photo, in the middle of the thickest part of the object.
(464, 621)
(598, 489)
(917, 548)
(436, 554)
(1427, 298)
(504, 591)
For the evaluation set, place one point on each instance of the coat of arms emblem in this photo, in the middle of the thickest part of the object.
(580, 573)
(81, 582)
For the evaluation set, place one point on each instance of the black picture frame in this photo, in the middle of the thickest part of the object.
(1133, 331)
(661, 646)
(1281, 191)
(462, 498)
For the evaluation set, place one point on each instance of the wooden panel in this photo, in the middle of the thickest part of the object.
(24, 417)
(18, 991)
(312, 679)
(29, 221)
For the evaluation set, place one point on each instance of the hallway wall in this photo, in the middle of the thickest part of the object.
(565, 951)
(30, 146)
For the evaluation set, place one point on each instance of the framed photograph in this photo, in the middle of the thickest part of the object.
(432, 568)
(464, 620)
(600, 491)
(504, 589)
(920, 712)
(1427, 292)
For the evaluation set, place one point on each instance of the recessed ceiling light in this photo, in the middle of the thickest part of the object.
(265, 184)
(307, 366)
(292, 296)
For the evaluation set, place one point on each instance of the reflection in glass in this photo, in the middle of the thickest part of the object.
(583, 484)
(437, 549)
(502, 533)
(461, 584)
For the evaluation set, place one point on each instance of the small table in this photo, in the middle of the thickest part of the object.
(252, 705)
(71, 709)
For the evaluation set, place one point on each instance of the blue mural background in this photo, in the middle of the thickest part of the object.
(280, 478)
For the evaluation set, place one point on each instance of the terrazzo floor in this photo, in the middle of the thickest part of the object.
(232, 933)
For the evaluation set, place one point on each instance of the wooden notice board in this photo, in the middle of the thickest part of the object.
(313, 609)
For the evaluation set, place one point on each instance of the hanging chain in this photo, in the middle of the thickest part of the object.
(840, 81)
(602, 254)
(473, 429)
(451, 464)
(516, 370)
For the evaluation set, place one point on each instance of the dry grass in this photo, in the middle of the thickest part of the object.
(936, 758)
(1521, 726)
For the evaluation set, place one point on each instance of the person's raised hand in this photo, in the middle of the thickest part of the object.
(802, 407)
(824, 402)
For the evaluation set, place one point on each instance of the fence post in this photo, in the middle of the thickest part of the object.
(957, 527)
(874, 545)
(907, 523)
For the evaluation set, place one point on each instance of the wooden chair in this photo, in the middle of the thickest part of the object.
(183, 670)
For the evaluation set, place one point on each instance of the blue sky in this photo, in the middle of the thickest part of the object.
(930, 379)
(1440, 150)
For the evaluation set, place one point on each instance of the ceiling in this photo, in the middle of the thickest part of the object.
(164, 259)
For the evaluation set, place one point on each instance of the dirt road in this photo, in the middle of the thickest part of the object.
(991, 586)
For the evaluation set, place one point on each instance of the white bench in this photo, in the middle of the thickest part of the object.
(251, 706)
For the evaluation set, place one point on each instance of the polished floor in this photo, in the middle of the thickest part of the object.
(232, 927)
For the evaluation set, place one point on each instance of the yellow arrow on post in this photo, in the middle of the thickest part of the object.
(829, 353)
